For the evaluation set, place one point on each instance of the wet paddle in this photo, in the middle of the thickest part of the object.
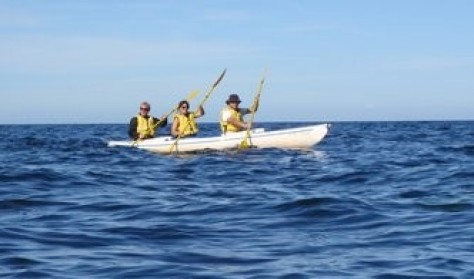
(247, 141)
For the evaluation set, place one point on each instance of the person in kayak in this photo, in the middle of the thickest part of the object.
(143, 125)
(184, 122)
(232, 115)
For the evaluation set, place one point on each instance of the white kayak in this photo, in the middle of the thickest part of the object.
(293, 138)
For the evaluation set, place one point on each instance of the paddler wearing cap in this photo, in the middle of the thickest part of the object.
(232, 115)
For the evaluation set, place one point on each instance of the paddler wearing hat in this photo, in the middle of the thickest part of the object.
(232, 115)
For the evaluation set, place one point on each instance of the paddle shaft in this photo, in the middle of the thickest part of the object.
(244, 143)
(208, 93)
(191, 96)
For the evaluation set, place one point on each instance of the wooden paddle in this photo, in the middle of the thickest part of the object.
(208, 93)
(247, 141)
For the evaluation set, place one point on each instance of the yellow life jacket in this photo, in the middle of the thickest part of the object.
(187, 124)
(145, 127)
(226, 127)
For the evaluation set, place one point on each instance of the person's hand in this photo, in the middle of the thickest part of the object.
(256, 106)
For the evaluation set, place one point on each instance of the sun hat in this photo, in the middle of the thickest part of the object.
(233, 98)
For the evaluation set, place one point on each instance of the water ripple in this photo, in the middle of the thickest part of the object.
(374, 200)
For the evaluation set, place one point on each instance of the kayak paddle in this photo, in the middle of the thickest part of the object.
(247, 141)
(208, 93)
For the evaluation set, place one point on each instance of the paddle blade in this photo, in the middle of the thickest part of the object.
(244, 144)
(192, 95)
(220, 78)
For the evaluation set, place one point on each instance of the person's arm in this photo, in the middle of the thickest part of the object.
(163, 121)
(227, 117)
(237, 123)
(132, 128)
(250, 110)
(199, 112)
(175, 127)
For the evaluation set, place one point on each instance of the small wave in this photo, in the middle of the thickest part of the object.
(352, 177)
(157, 232)
(461, 175)
(16, 204)
(448, 207)
(467, 149)
(22, 273)
(25, 175)
(324, 207)
(414, 194)
(216, 258)
(19, 262)
(305, 203)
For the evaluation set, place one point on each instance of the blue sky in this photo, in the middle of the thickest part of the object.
(94, 61)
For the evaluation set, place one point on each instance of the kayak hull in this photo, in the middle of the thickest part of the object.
(293, 138)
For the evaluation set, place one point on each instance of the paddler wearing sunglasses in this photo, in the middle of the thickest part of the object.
(143, 125)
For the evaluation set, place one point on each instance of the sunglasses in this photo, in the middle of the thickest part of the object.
(184, 107)
(147, 109)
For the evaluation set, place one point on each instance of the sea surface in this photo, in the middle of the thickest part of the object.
(372, 200)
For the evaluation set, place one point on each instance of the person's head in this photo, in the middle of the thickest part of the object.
(183, 106)
(233, 100)
(144, 108)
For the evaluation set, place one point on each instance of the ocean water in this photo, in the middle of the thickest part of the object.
(373, 200)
